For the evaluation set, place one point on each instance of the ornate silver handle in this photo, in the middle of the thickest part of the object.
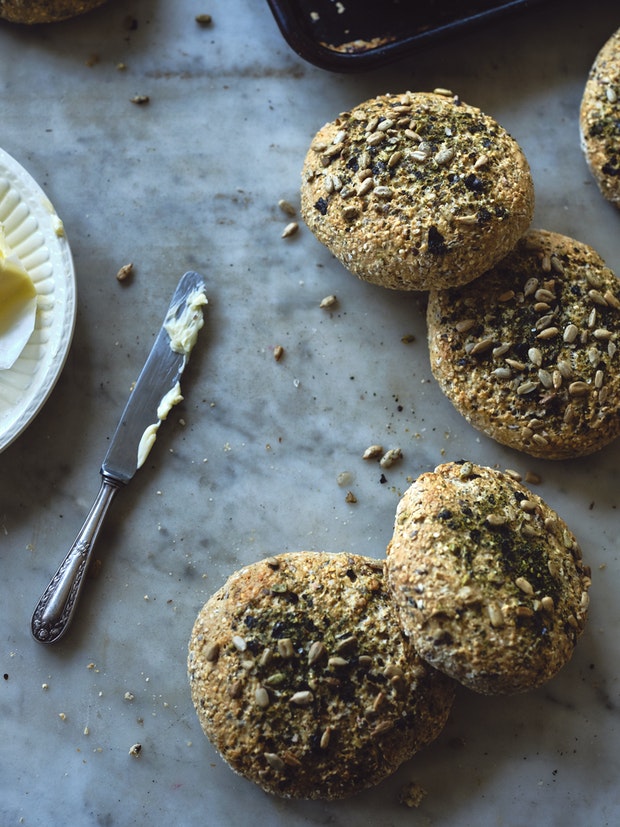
(56, 607)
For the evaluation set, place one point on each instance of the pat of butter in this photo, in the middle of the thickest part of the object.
(18, 306)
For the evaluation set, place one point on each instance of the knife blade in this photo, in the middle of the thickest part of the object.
(156, 390)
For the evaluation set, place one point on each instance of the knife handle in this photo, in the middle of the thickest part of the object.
(56, 606)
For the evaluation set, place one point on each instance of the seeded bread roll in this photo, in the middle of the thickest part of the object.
(599, 119)
(44, 11)
(304, 681)
(415, 191)
(528, 353)
(488, 579)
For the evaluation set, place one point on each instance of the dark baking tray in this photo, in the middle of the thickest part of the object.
(351, 35)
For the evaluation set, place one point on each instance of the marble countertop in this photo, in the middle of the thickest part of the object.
(259, 457)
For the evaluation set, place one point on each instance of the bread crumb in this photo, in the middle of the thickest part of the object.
(135, 750)
(328, 301)
(204, 19)
(412, 794)
(125, 272)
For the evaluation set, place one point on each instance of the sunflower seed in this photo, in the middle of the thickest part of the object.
(274, 761)
(578, 388)
(302, 698)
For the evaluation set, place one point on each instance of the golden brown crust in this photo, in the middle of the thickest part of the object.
(489, 580)
(416, 190)
(44, 11)
(599, 119)
(528, 353)
(304, 681)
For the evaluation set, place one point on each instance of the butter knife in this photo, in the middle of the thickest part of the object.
(156, 390)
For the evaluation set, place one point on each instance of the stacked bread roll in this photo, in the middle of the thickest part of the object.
(421, 191)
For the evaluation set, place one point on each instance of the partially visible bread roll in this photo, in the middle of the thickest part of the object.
(599, 119)
(44, 11)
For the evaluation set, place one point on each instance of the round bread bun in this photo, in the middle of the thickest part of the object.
(599, 119)
(44, 11)
(488, 579)
(528, 353)
(305, 683)
(416, 190)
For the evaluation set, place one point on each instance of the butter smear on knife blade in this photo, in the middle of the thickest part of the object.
(183, 331)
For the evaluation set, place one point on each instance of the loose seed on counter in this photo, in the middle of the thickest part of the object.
(390, 457)
(373, 452)
(328, 301)
(286, 207)
(290, 229)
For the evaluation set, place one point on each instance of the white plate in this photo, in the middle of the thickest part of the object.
(35, 233)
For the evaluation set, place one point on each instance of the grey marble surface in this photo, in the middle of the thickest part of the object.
(251, 463)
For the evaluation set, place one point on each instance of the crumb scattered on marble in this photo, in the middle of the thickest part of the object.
(328, 301)
(204, 19)
(344, 478)
(140, 100)
(412, 794)
(86, 730)
(290, 229)
(62, 716)
(129, 696)
(125, 272)
(278, 352)
(45, 686)
(350, 497)
(135, 750)
(407, 339)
